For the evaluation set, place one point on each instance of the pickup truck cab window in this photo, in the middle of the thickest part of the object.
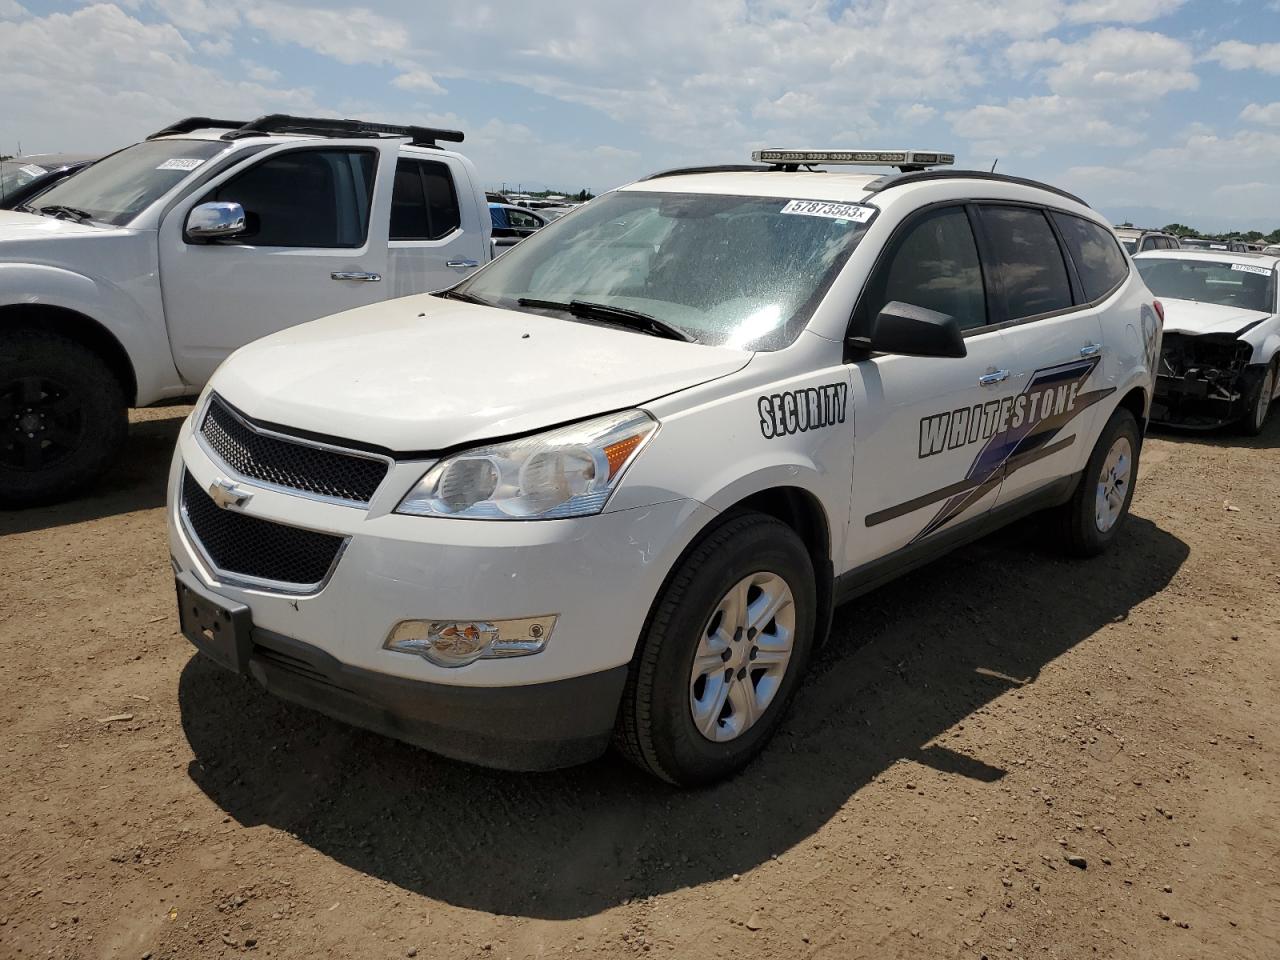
(424, 205)
(304, 198)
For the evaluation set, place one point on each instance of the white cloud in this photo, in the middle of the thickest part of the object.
(12, 10)
(349, 35)
(126, 79)
(417, 80)
(1263, 115)
(1112, 63)
(198, 16)
(916, 113)
(1235, 55)
(259, 73)
(1025, 125)
(1120, 11)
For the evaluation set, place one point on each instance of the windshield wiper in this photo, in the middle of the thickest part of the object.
(62, 210)
(464, 297)
(620, 316)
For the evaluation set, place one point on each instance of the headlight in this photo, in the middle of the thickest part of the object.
(568, 472)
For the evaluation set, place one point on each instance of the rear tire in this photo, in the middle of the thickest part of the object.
(63, 417)
(745, 594)
(1097, 510)
(1256, 420)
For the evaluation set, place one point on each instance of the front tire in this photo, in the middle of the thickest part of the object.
(63, 417)
(1252, 424)
(1097, 510)
(722, 653)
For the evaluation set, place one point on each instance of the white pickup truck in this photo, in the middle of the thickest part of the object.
(129, 283)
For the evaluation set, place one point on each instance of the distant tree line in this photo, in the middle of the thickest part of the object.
(1253, 236)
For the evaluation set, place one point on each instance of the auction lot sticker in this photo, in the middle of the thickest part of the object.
(835, 211)
(1250, 268)
(181, 163)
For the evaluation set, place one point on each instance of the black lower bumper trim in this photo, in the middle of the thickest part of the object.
(540, 726)
(1186, 402)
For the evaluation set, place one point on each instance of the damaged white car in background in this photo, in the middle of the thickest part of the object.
(1220, 358)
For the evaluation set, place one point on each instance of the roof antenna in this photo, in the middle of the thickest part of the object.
(993, 164)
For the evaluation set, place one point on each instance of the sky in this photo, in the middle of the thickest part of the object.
(1152, 110)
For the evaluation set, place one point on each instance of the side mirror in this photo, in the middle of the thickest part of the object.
(212, 221)
(916, 332)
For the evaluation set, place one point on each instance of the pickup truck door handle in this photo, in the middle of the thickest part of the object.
(462, 263)
(355, 275)
(1091, 350)
(992, 378)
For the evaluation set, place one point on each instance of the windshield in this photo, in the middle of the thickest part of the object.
(18, 173)
(1242, 285)
(735, 271)
(119, 187)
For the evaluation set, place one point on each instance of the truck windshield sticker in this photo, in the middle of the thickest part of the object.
(32, 170)
(181, 163)
(799, 411)
(834, 211)
(1250, 268)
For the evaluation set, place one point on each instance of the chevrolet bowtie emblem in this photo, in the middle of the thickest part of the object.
(226, 494)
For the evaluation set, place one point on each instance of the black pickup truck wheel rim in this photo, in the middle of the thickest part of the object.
(41, 423)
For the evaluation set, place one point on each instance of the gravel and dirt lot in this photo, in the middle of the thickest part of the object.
(1004, 754)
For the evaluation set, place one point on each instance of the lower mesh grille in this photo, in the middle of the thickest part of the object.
(250, 547)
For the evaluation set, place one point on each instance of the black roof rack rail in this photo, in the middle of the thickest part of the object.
(328, 127)
(722, 168)
(188, 124)
(897, 180)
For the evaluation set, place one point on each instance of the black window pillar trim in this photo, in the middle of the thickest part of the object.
(1078, 296)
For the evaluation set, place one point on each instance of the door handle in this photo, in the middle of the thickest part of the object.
(462, 263)
(1092, 350)
(990, 379)
(355, 275)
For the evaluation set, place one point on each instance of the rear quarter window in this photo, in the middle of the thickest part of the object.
(1099, 262)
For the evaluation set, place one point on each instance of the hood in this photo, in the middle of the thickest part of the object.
(15, 225)
(421, 373)
(1190, 316)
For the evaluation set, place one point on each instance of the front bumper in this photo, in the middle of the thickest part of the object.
(598, 574)
(1204, 403)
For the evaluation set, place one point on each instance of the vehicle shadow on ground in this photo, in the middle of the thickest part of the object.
(904, 665)
(1228, 436)
(135, 482)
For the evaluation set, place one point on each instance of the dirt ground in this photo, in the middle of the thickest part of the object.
(966, 731)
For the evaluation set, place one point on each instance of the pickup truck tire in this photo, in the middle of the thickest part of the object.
(63, 417)
(1098, 508)
(755, 565)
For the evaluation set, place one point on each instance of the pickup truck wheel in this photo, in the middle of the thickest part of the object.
(725, 647)
(1256, 419)
(62, 417)
(1096, 511)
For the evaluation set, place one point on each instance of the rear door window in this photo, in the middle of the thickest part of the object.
(424, 205)
(1099, 262)
(1026, 261)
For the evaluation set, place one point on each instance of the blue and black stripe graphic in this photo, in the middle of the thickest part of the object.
(1018, 430)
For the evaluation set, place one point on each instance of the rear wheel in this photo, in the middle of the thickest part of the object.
(722, 654)
(63, 417)
(1096, 511)
(1257, 419)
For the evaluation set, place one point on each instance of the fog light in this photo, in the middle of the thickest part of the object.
(455, 643)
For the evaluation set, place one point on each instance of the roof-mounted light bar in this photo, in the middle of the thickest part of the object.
(905, 160)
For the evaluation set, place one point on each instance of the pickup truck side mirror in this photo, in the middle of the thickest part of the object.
(212, 221)
(912, 331)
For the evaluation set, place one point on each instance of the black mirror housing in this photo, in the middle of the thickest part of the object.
(912, 331)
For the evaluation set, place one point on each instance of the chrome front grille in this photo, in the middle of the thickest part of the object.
(294, 463)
